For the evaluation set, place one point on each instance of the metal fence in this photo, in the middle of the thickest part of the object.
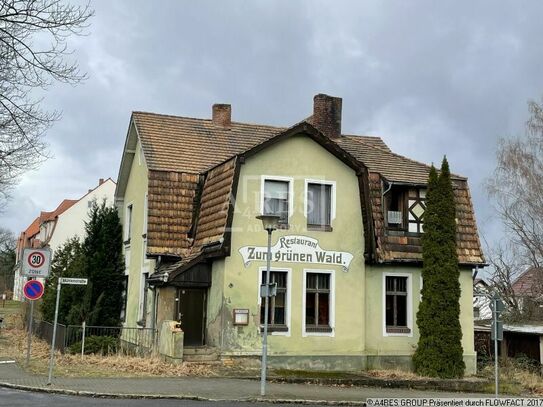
(99, 339)
(110, 339)
(44, 330)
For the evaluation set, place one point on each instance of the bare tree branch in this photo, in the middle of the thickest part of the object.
(516, 189)
(33, 55)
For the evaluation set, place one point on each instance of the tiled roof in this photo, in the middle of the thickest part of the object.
(215, 204)
(529, 283)
(64, 206)
(393, 167)
(192, 177)
(201, 143)
(171, 203)
(33, 228)
(405, 248)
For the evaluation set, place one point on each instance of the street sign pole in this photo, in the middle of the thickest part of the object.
(32, 290)
(52, 357)
(29, 343)
(496, 371)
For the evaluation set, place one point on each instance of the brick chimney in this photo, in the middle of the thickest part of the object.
(100, 181)
(222, 115)
(327, 115)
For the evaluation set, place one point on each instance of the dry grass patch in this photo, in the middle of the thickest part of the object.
(13, 344)
(516, 378)
(395, 374)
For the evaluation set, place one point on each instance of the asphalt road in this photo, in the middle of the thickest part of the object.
(18, 398)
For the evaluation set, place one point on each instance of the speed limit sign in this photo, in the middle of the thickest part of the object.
(35, 262)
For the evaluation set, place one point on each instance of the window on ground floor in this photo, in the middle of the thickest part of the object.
(396, 304)
(317, 302)
(277, 310)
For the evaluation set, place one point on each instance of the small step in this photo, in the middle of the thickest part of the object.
(200, 354)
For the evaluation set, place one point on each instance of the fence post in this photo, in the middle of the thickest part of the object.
(83, 339)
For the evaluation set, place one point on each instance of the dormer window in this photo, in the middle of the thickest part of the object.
(416, 207)
(404, 209)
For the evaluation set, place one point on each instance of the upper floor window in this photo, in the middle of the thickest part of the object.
(319, 205)
(128, 223)
(416, 205)
(145, 214)
(404, 209)
(276, 198)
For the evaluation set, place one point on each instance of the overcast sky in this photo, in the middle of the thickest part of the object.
(431, 78)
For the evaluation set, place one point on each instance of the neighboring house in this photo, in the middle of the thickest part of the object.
(528, 290)
(346, 258)
(71, 223)
(52, 229)
(519, 340)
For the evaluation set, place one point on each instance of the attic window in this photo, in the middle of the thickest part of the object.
(404, 209)
(416, 205)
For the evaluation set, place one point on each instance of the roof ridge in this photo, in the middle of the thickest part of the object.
(209, 120)
(358, 140)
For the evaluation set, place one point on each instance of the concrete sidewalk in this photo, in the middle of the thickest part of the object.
(211, 389)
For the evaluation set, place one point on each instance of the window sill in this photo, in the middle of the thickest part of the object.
(275, 328)
(400, 232)
(398, 330)
(318, 329)
(283, 226)
(319, 228)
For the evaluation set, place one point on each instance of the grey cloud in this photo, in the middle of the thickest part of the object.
(430, 78)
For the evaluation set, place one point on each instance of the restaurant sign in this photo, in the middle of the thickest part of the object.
(296, 249)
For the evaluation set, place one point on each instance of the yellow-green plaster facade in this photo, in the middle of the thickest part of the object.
(385, 350)
(136, 260)
(358, 339)
(240, 284)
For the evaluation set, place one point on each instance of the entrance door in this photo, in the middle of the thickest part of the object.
(191, 303)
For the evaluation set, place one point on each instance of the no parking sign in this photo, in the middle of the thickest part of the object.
(33, 290)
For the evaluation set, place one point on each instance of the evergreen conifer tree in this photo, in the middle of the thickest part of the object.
(439, 352)
(99, 259)
(104, 267)
(67, 262)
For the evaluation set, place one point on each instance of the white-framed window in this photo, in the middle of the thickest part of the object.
(128, 222)
(318, 302)
(142, 304)
(279, 310)
(145, 213)
(277, 197)
(320, 203)
(124, 296)
(397, 304)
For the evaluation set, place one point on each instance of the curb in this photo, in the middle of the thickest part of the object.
(424, 385)
(91, 394)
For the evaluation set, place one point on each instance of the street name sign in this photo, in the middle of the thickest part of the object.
(36, 262)
(73, 281)
(33, 290)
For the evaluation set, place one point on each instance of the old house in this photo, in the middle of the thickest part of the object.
(346, 257)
